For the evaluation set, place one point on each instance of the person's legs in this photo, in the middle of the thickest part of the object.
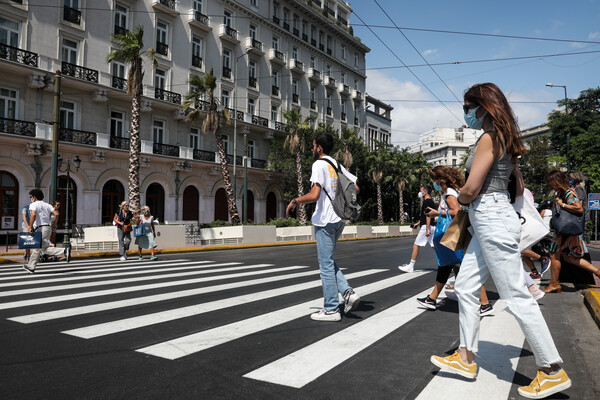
(126, 243)
(483, 298)
(326, 238)
(583, 264)
(120, 239)
(555, 266)
(35, 254)
(415, 253)
(440, 280)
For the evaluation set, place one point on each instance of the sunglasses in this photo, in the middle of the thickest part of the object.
(467, 107)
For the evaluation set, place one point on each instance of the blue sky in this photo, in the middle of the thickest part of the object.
(523, 81)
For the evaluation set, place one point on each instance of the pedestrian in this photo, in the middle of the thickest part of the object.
(122, 219)
(569, 247)
(494, 247)
(39, 221)
(577, 179)
(328, 228)
(25, 216)
(54, 222)
(426, 230)
(146, 240)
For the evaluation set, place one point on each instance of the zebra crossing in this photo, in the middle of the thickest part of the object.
(77, 295)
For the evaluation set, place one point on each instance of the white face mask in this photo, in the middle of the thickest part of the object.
(420, 195)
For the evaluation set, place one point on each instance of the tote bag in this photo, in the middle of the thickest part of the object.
(457, 236)
(533, 227)
(444, 255)
(139, 230)
(27, 241)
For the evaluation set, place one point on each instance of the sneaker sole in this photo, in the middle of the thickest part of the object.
(428, 306)
(486, 313)
(352, 306)
(539, 296)
(335, 319)
(452, 370)
(555, 389)
(406, 270)
(30, 271)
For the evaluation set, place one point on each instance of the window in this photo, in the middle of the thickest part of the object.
(274, 112)
(194, 138)
(295, 22)
(227, 19)
(121, 19)
(9, 32)
(253, 32)
(118, 69)
(161, 32)
(454, 162)
(251, 106)
(454, 151)
(329, 103)
(252, 74)
(328, 69)
(356, 59)
(199, 6)
(117, 122)
(321, 38)
(160, 78)
(225, 98)
(312, 62)
(197, 52)
(226, 58)
(69, 51)
(295, 53)
(295, 86)
(343, 107)
(67, 115)
(225, 139)
(343, 78)
(158, 129)
(275, 9)
(251, 148)
(304, 31)
(253, 3)
(8, 103)
(328, 42)
(355, 84)
(313, 96)
(276, 43)
(343, 51)
(275, 76)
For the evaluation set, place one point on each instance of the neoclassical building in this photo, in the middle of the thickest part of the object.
(268, 56)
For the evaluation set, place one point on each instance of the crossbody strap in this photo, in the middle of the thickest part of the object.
(337, 169)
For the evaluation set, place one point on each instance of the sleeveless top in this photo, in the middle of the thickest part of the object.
(499, 174)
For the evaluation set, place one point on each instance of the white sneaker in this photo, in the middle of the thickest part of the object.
(535, 292)
(123, 258)
(328, 316)
(407, 268)
(451, 294)
(351, 301)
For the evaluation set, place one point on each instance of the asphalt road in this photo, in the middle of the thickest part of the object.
(235, 325)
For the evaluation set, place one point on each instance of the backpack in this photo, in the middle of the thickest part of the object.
(345, 202)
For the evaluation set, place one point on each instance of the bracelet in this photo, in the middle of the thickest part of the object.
(294, 201)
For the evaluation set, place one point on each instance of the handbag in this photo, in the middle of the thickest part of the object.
(444, 255)
(566, 223)
(139, 230)
(457, 236)
(127, 228)
(27, 241)
(533, 227)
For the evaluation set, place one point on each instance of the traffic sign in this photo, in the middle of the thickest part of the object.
(594, 201)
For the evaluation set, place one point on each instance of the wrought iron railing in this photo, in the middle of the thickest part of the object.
(72, 15)
(162, 48)
(79, 72)
(313, 42)
(329, 11)
(279, 55)
(165, 95)
(329, 111)
(256, 120)
(235, 114)
(316, 74)
(229, 31)
(226, 72)
(16, 127)
(298, 65)
(305, 37)
(346, 88)
(295, 98)
(275, 20)
(203, 155)
(198, 16)
(322, 47)
(197, 61)
(119, 30)
(119, 83)
(77, 136)
(117, 142)
(275, 91)
(330, 81)
(342, 20)
(17, 55)
(329, 51)
(286, 26)
(296, 32)
(343, 116)
(168, 3)
(252, 81)
(165, 149)
(203, 105)
(256, 163)
(279, 126)
(238, 160)
(257, 45)
(313, 105)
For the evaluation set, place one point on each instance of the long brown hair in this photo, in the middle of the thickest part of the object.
(559, 179)
(491, 98)
(449, 177)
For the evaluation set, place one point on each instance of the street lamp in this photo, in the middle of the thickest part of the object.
(76, 163)
(235, 81)
(245, 206)
(568, 133)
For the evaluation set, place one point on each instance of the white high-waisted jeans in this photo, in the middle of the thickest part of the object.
(494, 249)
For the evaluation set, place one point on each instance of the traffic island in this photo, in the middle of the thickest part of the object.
(592, 302)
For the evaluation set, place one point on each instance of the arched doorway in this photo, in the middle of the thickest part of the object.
(221, 213)
(271, 206)
(191, 203)
(250, 205)
(113, 194)
(61, 196)
(9, 197)
(155, 199)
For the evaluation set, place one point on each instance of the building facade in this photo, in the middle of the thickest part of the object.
(445, 146)
(268, 56)
(379, 122)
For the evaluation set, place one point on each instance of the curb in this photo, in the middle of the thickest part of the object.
(592, 301)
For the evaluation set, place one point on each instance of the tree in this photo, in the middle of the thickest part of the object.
(201, 86)
(379, 161)
(295, 141)
(535, 165)
(129, 51)
(404, 164)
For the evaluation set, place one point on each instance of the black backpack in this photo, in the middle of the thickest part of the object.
(345, 202)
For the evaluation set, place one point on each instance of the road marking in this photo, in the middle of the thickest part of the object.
(68, 312)
(190, 344)
(307, 364)
(500, 343)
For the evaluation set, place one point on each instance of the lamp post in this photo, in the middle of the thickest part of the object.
(235, 82)
(568, 133)
(245, 132)
(76, 163)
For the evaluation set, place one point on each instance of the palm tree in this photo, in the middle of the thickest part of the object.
(129, 51)
(297, 129)
(404, 175)
(200, 87)
(379, 161)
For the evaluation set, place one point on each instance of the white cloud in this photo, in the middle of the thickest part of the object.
(429, 52)
(594, 35)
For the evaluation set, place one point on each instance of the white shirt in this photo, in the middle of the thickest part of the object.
(324, 174)
(42, 212)
(443, 204)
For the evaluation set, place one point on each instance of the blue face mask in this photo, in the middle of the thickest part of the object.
(471, 119)
(437, 187)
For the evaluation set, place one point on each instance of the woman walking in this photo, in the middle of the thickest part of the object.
(122, 220)
(146, 240)
(570, 247)
(494, 248)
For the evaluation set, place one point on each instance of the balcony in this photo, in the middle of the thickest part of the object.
(203, 155)
(202, 105)
(329, 52)
(72, 15)
(238, 159)
(279, 126)
(197, 61)
(296, 66)
(16, 127)
(356, 94)
(76, 136)
(276, 20)
(329, 81)
(344, 89)
(119, 30)
(329, 11)
(119, 83)
(305, 37)
(277, 57)
(314, 74)
(199, 20)
(121, 143)
(235, 114)
(316, 3)
(229, 34)
(313, 42)
(286, 26)
(165, 149)
(313, 105)
(252, 82)
(162, 48)
(343, 116)
(275, 90)
(295, 98)
(166, 6)
(78, 72)
(260, 121)
(226, 72)
(256, 163)
(254, 46)
(296, 32)
(342, 21)
(329, 111)
(17, 55)
(165, 95)
(322, 47)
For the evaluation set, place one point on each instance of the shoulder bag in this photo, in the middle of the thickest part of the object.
(566, 223)
(444, 255)
(27, 241)
(139, 230)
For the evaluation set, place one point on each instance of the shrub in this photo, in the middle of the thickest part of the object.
(284, 222)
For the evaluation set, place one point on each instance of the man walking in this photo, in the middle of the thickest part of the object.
(40, 221)
(328, 228)
(426, 232)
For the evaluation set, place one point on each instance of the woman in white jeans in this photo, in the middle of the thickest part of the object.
(494, 248)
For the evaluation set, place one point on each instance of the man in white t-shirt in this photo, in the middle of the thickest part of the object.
(328, 228)
(40, 221)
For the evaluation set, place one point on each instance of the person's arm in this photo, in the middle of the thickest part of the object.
(520, 182)
(116, 219)
(24, 216)
(152, 225)
(576, 207)
(32, 220)
(310, 197)
(482, 162)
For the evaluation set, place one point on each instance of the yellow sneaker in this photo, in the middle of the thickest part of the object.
(544, 385)
(455, 365)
